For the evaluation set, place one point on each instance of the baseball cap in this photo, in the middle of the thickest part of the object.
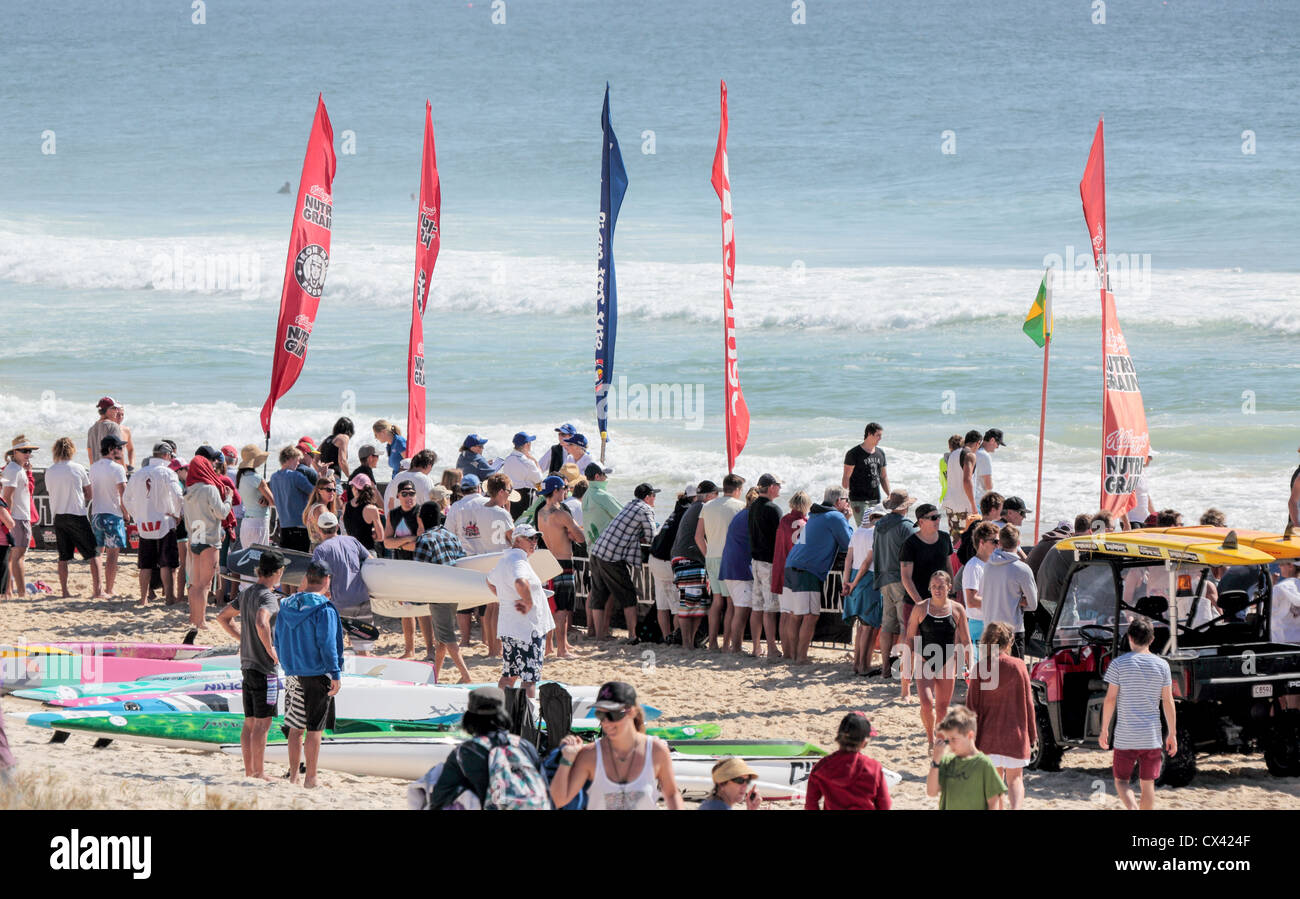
(706, 486)
(524, 530)
(318, 568)
(407, 487)
(470, 482)
(162, 449)
(878, 510)
(614, 695)
(595, 468)
(644, 490)
(230, 453)
(327, 521)
(110, 443)
(551, 484)
(577, 440)
(307, 445)
(925, 509)
(473, 440)
(566, 430)
(994, 434)
(690, 490)
(270, 561)
(105, 403)
(855, 727)
(1014, 504)
(487, 701)
(731, 768)
(209, 453)
(767, 480)
(361, 479)
(523, 437)
(367, 451)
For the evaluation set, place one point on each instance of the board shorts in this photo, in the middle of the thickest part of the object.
(741, 593)
(444, 622)
(976, 626)
(562, 586)
(692, 581)
(522, 658)
(611, 584)
(72, 534)
(161, 553)
(764, 600)
(110, 531)
(20, 535)
(864, 603)
(1006, 761)
(261, 694)
(1147, 761)
(802, 594)
(667, 599)
(894, 600)
(308, 704)
(714, 567)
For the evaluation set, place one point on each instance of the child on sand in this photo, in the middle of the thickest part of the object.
(849, 778)
(962, 778)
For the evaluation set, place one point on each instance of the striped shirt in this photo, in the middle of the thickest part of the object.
(1140, 677)
(439, 546)
(621, 539)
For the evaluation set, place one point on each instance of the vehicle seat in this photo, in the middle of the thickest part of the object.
(1232, 603)
(1156, 608)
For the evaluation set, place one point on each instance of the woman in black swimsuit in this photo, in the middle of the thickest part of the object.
(334, 449)
(935, 633)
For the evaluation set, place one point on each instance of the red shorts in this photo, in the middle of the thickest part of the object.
(1147, 762)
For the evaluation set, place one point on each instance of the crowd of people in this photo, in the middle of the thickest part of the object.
(926, 602)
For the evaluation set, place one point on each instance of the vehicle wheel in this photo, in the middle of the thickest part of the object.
(1178, 770)
(1046, 756)
(1282, 748)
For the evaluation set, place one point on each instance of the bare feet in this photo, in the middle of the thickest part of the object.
(309, 783)
(407, 655)
(563, 655)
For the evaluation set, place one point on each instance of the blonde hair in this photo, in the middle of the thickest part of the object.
(384, 424)
(751, 495)
(290, 452)
(63, 449)
(800, 502)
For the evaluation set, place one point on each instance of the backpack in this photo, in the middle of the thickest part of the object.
(514, 783)
(550, 765)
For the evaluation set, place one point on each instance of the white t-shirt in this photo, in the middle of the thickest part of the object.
(480, 527)
(860, 545)
(105, 475)
(20, 505)
(423, 484)
(955, 499)
(65, 482)
(1142, 494)
(537, 622)
(522, 471)
(1285, 627)
(582, 463)
(983, 468)
(972, 576)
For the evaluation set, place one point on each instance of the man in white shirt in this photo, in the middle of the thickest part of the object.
(68, 486)
(711, 536)
(418, 474)
(984, 461)
(524, 472)
(525, 616)
(153, 498)
(108, 518)
(1285, 627)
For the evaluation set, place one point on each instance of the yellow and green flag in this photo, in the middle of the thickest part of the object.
(1038, 323)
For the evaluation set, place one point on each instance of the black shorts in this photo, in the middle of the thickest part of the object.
(308, 704)
(161, 553)
(295, 539)
(444, 622)
(611, 583)
(260, 694)
(72, 534)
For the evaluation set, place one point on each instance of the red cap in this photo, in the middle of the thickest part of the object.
(105, 403)
(307, 445)
(229, 452)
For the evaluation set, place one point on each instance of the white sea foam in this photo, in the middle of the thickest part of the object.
(768, 297)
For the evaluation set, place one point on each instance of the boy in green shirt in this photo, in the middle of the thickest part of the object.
(963, 778)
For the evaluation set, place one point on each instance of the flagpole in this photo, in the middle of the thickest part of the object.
(1042, 422)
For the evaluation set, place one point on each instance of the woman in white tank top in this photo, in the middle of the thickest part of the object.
(626, 768)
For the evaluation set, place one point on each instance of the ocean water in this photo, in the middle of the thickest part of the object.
(879, 277)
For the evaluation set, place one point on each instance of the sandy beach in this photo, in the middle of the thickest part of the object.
(749, 698)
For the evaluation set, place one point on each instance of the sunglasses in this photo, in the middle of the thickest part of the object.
(618, 715)
(740, 781)
(932, 517)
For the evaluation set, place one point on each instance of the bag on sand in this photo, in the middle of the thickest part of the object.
(514, 783)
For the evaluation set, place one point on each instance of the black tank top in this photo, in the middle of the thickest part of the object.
(329, 453)
(354, 522)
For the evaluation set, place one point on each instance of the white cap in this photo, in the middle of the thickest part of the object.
(327, 521)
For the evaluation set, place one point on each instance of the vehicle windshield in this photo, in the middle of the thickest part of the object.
(1089, 599)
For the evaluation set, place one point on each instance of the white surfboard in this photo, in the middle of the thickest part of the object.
(400, 587)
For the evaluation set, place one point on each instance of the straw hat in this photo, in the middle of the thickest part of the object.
(22, 443)
(252, 457)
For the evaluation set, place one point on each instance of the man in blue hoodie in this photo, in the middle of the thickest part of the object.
(827, 532)
(309, 643)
